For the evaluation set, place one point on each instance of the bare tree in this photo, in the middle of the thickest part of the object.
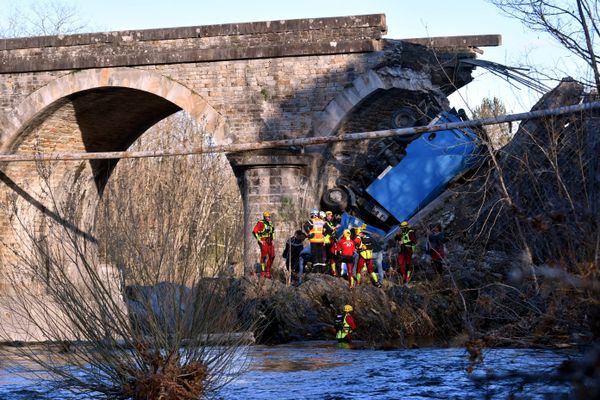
(133, 293)
(40, 18)
(573, 23)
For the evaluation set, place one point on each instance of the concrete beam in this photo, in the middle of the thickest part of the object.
(458, 41)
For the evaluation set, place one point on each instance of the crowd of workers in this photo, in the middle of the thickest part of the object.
(347, 256)
(317, 248)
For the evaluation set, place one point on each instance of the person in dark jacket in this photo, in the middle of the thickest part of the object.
(291, 253)
(436, 248)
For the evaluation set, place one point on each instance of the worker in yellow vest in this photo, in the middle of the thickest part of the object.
(364, 246)
(265, 235)
(407, 242)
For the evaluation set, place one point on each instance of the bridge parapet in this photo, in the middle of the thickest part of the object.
(286, 38)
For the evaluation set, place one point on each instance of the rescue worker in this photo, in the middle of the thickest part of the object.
(365, 243)
(315, 229)
(305, 259)
(436, 248)
(345, 250)
(345, 325)
(378, 256)
(407, 241)
(330, 242)
(265, 235)
(291, 254)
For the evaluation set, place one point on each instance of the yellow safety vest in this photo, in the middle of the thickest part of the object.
(327, 238)
(365, 250)
(342, 333)
(267, 232)
(405, 238)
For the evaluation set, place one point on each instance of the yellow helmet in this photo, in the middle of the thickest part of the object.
(347, 308)
(266, 214)
(358, 231)
(403, 224)
(328, 213)
(363, 227)
(347, 233)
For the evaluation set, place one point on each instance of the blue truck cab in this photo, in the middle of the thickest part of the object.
(432, 161)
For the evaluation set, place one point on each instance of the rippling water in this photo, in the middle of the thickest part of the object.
(319, 370)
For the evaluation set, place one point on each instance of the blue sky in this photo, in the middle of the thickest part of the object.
(404, 19)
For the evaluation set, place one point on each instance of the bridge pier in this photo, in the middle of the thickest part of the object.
(281, 183)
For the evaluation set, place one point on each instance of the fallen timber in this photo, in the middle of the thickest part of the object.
(300, 142)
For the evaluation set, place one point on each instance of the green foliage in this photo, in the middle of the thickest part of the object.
(500, 134)
(489, 107)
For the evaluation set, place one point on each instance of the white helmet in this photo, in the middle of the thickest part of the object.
(322, 214)
(314, 212)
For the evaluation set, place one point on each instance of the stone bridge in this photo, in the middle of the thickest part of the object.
(245, 82)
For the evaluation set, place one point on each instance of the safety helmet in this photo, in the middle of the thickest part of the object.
(266, 214)
(322, 214)
(314, 212)
(347, 308)
(357, 231)
(346, 232)
(328, 213)
(403, 224)
(363, 227)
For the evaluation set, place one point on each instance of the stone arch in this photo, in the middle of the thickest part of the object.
(130, 78)
(365, 86)
(375, 88)
(54, 102)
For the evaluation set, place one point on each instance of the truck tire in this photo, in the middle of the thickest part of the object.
(335, 199)
(404, 117)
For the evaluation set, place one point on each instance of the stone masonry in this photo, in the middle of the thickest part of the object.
(246, 82)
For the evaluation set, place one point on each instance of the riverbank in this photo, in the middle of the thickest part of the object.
(457, 308)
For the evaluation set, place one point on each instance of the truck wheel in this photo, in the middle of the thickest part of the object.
(335, 199)
(405, 117)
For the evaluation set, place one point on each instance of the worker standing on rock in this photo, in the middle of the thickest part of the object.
(435, 247)
(265, 235)
(407, 241)
(330, 243)
(291, 254)
(345, 250)
(345, 325)
(315, 229)
(364, 242)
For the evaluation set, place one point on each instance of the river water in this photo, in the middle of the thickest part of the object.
(319, 370)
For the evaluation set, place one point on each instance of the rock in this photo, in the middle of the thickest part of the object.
(307, 312)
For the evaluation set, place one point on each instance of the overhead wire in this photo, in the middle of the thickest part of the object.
(515, 74)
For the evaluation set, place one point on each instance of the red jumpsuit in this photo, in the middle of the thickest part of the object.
(264, 233)
(407, 241)
(346, 248)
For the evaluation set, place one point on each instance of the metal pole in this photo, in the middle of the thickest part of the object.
(306, 141)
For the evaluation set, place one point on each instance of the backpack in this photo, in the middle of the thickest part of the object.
(339, 322)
